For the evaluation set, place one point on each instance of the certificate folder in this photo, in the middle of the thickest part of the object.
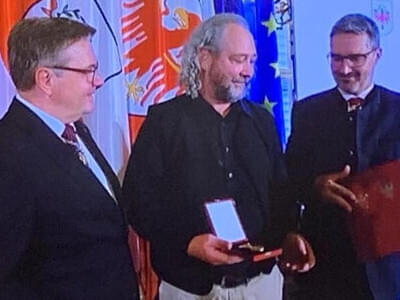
(375, 219)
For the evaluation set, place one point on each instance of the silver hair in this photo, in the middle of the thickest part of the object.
(358, 24)
(206, 35)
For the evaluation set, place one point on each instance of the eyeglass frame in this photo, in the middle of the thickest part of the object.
(82, 71)
(351, 57)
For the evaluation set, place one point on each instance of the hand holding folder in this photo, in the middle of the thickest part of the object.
(375, 219)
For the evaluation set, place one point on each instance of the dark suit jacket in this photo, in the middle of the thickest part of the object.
(324, 138)
(61, 234)
(170, 176)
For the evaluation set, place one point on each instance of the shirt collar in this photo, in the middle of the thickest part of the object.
(235, 107)
(53, 123)
(362, 95)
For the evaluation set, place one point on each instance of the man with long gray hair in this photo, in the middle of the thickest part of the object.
(205, 145)
(337, 133)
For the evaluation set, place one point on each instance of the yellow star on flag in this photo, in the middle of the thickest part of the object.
(275, 66)
(268, 105)
(270, 24)
(134, 90)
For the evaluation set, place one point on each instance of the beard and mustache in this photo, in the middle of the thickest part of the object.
(230, 93)
(229, 89)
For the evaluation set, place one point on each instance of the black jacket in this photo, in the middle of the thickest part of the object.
(62, 236)
(325, 137)
(170, 176)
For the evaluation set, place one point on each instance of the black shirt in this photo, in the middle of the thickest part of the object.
(187, 154)
(232, 180)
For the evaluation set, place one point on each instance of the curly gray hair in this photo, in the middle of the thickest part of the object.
(208, 35)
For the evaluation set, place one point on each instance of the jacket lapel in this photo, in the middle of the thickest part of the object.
(86, 137)
(42, 136)
(58, 153)
(254, 149)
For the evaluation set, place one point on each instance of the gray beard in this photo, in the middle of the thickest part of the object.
(225, 93)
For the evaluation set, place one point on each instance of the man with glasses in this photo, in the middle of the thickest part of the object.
(62, 230)
(339, 132)
(91, 72)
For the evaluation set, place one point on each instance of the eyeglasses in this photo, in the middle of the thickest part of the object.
(90, 72)
(354, 60)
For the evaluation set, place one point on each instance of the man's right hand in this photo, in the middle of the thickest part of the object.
(330, 190)
(212, 250)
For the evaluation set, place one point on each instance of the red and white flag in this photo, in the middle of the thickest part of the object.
(153, 33)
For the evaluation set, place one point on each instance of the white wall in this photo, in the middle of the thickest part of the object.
(313, 20)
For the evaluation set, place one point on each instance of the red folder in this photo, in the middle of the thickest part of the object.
(375, 219)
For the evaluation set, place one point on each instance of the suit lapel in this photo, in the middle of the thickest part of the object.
(57, 152)
(253, 150)
(42, 136)
(86, 137)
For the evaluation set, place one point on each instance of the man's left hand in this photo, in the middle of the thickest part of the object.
(297, 256)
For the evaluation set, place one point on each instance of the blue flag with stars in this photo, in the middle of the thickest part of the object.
(266, 85)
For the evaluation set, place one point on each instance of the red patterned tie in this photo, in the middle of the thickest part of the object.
(354, 103)
(69, 136)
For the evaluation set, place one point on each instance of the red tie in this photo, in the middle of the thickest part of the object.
(354, 103)
(69, 135)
